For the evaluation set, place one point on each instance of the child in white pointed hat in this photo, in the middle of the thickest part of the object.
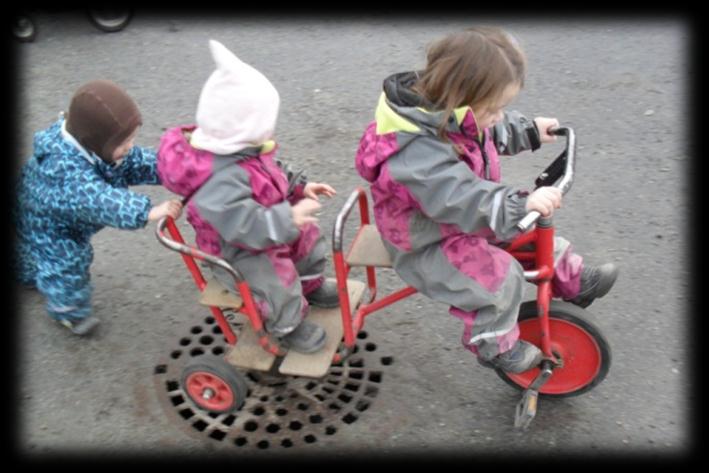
(238, 106)
(248, 208)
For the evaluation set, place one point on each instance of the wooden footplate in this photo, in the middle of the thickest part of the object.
(248, 354)
(316, 365)
(215, 294)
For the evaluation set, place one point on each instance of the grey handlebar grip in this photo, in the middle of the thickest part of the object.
(528, 221)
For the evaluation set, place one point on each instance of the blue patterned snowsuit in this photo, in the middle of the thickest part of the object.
(65, 196)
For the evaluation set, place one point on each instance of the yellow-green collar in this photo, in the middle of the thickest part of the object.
(460, 113)
(268, 146)
(388, 120)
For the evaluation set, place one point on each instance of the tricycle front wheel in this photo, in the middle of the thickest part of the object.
(577, 342)
(214, 385)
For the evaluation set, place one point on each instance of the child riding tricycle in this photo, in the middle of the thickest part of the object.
(574, 349)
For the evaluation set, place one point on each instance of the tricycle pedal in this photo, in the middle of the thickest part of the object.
(526, 408)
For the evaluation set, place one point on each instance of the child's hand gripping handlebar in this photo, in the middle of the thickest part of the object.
(569, 154)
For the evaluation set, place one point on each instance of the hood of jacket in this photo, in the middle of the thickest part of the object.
(181, 167)
(49, 141)
(401, 117)
(58, 158)
(421, 115)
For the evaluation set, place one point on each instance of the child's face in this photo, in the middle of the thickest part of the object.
(124, 148)
(487, 115)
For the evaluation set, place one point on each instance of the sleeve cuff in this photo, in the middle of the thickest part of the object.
(143, 216)
(298, 193)
(519, 210)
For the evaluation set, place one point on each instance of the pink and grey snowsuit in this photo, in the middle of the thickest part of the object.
(443, 215)
(240, 208)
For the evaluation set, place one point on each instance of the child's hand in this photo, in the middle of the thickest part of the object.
(313, 189)
(544, 200)
(172, 207)
(304, 212)
(543, 125)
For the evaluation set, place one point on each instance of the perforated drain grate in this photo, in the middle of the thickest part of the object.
(280, 411)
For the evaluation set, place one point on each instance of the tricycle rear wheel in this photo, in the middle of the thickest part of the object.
(584, 352)
(214, 385)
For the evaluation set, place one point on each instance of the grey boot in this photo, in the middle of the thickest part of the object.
(80, 326)
(595, 282)
(306, 338)
(521, 357)
(325, 296)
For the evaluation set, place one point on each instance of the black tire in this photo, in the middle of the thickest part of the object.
(110, 19)
(24, 29)
(212, 376)
(582, 334)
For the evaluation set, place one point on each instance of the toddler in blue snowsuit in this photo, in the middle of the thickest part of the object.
(75, 184)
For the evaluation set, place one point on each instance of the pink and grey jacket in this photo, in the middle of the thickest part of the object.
(236, 202)
(423, 189)
(442, 212)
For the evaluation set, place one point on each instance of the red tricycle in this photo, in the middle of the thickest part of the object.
(577, 356)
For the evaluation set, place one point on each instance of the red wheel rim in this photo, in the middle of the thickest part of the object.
(580, 355)
(209, 391)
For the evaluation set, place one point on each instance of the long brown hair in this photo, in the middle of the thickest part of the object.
(471, 67)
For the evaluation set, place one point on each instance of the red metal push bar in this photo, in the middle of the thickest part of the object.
(353, 324)
(189, 255)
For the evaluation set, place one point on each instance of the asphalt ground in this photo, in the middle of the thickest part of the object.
(621, 83)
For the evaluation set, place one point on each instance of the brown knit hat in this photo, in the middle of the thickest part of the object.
(101, 116)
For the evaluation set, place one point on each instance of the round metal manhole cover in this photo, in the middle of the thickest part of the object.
(280, 411)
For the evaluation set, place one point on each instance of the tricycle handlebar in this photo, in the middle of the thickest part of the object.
(568, 177)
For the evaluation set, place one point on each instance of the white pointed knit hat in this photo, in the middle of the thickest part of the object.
(237, 108)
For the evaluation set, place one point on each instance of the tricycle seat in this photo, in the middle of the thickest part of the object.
(368, 249)
(215, 294)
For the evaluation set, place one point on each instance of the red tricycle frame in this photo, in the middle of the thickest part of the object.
(542, 236)
(578, 352)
